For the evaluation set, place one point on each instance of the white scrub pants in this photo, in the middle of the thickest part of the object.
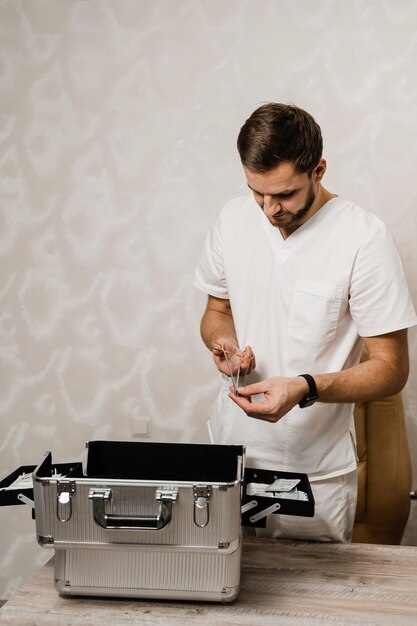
(335, 506)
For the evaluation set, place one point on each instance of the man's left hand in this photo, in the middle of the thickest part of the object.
(280, 393)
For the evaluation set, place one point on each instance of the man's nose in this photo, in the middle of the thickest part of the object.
(270, 205)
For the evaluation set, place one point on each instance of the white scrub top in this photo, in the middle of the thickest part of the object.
(302, 304)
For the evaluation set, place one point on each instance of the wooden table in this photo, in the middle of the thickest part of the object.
(283, 582)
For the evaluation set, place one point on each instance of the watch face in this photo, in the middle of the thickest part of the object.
(305, 402)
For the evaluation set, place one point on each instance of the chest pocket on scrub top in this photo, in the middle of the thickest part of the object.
(314, 312)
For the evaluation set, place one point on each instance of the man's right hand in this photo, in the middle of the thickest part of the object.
(228, 356)
(219, 335)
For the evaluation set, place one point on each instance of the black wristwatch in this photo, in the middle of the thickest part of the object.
(312, 395)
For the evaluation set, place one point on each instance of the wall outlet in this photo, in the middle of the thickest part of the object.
(140, 426)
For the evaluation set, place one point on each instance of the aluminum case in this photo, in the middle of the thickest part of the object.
(146, 520)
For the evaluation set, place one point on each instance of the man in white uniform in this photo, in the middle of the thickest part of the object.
(298, 282)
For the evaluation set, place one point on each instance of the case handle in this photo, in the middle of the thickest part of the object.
(165, 498)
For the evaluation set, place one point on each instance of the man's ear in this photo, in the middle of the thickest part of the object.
(319, 170)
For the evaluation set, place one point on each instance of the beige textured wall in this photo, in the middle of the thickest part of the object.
(118, 122)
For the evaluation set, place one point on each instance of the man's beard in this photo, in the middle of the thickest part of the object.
(293, 218)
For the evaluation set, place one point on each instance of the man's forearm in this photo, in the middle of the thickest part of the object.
(384, 373)
(216, 324)
(367, 381)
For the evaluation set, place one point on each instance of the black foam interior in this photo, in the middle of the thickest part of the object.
(162, 461)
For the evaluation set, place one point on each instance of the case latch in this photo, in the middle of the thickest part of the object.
(202, 495)
(65, 489)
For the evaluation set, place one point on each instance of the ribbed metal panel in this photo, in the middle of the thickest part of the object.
(186, 571)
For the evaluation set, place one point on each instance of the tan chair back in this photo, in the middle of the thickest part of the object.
(384, 471)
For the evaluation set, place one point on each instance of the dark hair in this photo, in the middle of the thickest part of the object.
(276, 133)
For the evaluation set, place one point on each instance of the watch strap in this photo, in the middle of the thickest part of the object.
(312, 395)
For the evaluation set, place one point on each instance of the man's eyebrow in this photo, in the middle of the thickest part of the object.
(281, 193)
